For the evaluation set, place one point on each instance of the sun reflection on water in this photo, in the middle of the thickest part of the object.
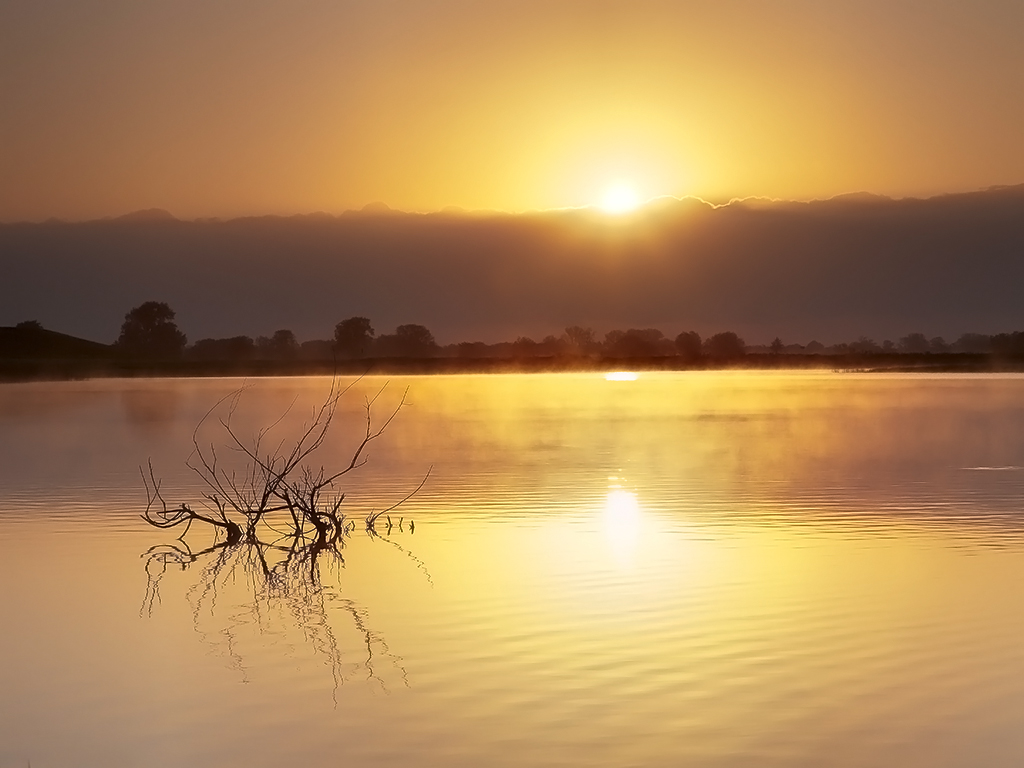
(622, 524)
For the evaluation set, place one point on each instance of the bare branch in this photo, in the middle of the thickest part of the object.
(373, 517)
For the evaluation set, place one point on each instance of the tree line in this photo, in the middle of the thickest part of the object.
(150, 331)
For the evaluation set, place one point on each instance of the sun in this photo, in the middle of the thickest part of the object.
(620, 198)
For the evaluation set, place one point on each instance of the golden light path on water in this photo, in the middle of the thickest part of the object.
(724, 569)
(622, 522)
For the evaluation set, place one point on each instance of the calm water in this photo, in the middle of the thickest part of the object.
(713, 569)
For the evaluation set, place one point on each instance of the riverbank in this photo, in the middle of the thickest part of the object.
(62, 369)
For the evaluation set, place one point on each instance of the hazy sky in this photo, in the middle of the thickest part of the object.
(226, 108)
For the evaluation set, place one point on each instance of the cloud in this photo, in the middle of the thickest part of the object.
(832, 269)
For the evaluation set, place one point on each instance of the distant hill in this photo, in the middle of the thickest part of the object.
(30, 343)
(148, 214)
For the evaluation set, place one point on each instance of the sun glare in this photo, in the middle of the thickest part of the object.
(622, 523)
(620, 198)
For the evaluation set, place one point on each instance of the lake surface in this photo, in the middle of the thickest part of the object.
(713, 569)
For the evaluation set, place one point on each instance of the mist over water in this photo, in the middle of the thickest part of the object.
(713, 568)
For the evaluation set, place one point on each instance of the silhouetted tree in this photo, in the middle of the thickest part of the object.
(29, 325)
(611, 339)
(353, 337)
(776, 346)
(726, 345)
(864, 346)
(1008, 344)
(973, 343)
(416, 340)
(281, 346)
(234, 349)
(688, 345)
(637, 342)
(552, 346)
(914, 343)
(580, 340)
(524, 346)
(938, 345)
(407, 341)
(471, 349)
(149, 330)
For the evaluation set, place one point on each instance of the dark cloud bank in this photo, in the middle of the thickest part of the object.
(831, 270)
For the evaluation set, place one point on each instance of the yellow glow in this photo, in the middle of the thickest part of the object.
(622, 523)
(620, 198)
(557, 104)
(621, 376)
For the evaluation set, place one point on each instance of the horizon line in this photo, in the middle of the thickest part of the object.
(381, 208)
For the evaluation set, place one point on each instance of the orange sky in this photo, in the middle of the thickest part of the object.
(232, 108)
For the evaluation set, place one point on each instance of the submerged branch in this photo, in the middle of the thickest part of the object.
(373, 517)
(277, 518)
(282, 480)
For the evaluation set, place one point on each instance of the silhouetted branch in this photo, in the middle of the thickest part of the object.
(282, 520)
(163, 517)
(373, 517)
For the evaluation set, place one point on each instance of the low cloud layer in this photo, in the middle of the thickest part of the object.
(831, 270)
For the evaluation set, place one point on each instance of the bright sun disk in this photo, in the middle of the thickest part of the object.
(620, 198)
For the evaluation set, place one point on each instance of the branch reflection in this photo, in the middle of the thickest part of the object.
(279, 579)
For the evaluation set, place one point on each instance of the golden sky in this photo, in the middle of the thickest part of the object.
(230, 108)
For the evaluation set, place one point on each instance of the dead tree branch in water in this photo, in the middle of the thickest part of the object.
(279, 488)
(277, 516)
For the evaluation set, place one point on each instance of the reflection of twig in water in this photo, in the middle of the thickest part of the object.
(420, 565)
(293, 584)
(222, 567)
(157, 559)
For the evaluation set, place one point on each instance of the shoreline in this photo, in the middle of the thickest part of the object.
(14, 370)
